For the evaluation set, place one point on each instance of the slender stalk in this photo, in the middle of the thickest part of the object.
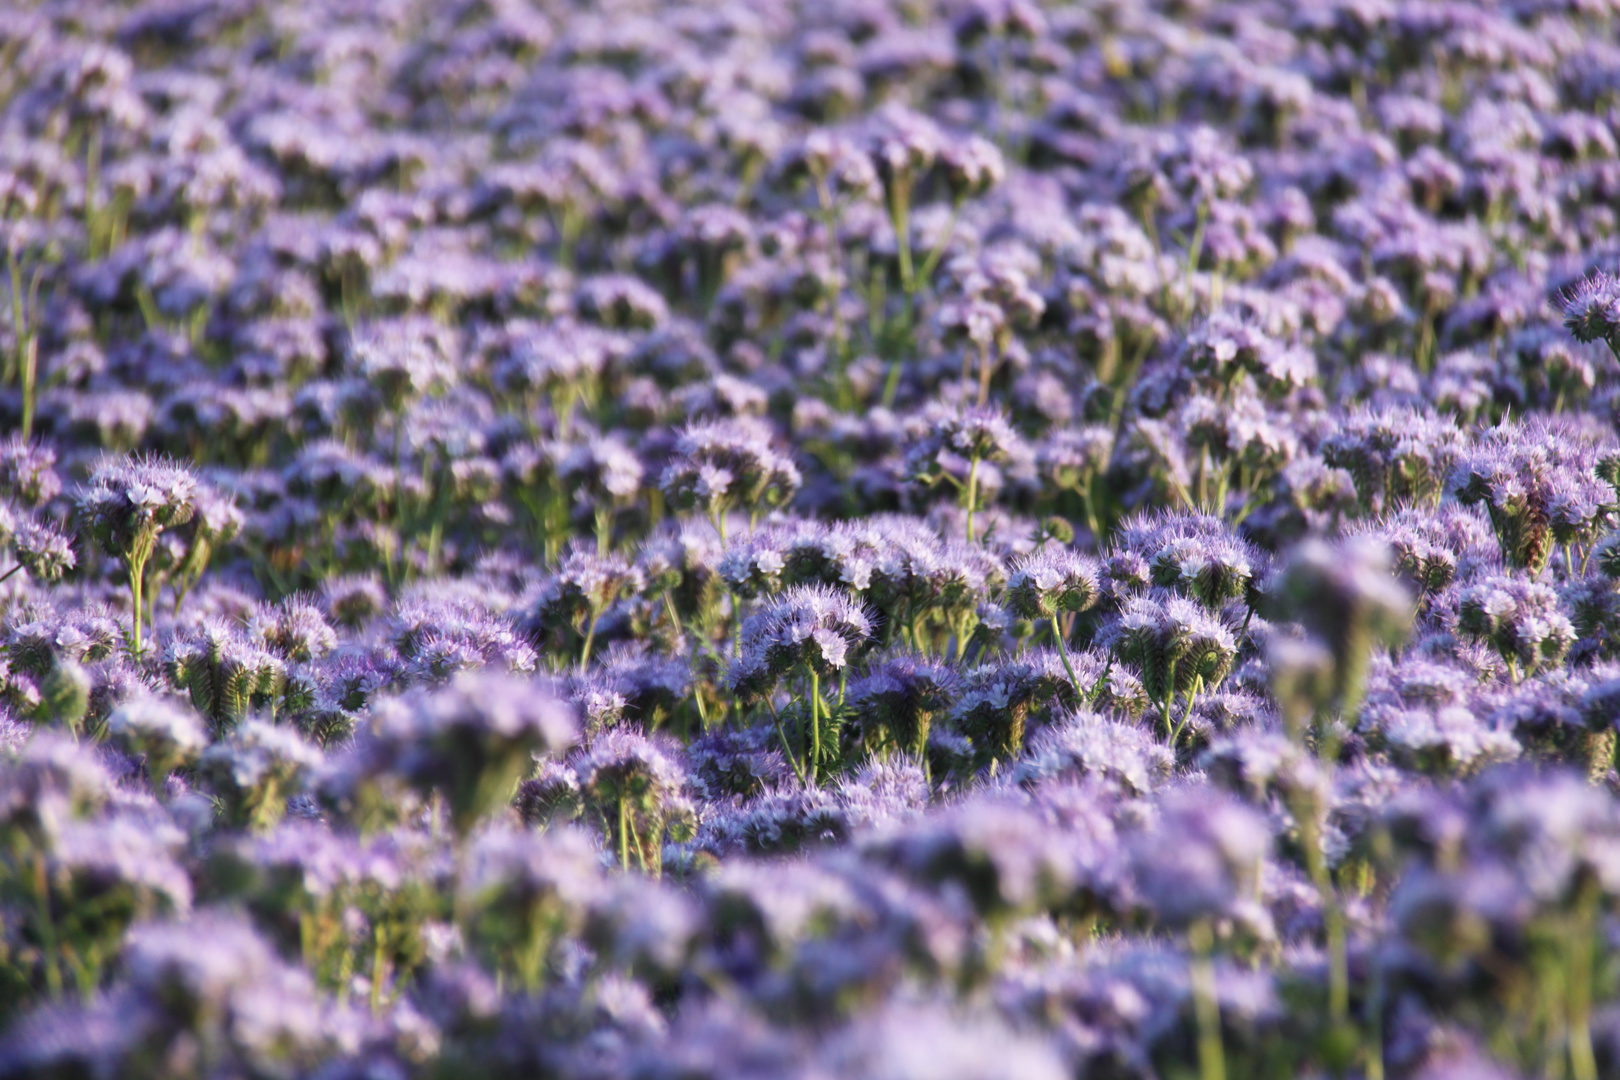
(1088, 501)
(1332, 917)
(1169, 699)
(900, 219)
(1582, 1062)
(1196, 248)
(1206, 1005)
(1375, 1025)
(624, 836)
(590, 636)
(680, 632)
(1063, 653)
(972, 494)
(378, 967)
(641, 853)
(1102, 682)
(1186, 717)
(815, 725)
(137, 581)
(27, 339)
(931, 263)
(787, 751)
(47, 926)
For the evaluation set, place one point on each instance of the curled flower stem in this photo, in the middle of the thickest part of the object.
(1186, 717)
(590, 636)
(1169, 699)
(1101, 684)
(1063, 652)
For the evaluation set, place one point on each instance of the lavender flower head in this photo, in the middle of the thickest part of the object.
(474, 739)
(127, 502)
(1201, 860)
(1052, 581)
(805, 627)
(1172, 641)
(1592, 310)
(720, 465)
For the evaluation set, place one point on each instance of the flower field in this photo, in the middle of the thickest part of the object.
(809, 539)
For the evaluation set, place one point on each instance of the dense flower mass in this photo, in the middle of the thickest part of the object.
(810, 538)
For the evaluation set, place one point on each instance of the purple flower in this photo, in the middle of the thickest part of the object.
(473, 740)
(1201, 860)
(1538, 481)
(896, 702)
(255, 770)
(522, 895)
(630, 785)
(1522, 620)
(1173, 642)
(1592, 310)
(808, 627)
(1053, 581)
(725, 464)
(27, 472)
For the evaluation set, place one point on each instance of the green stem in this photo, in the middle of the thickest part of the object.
(624, 836)
(972, 494)
(680, 632)
(931, 263)
(1088, 501)
(47, 926)
(137, 580)
(815, 726)
(1101, 684)
(378, 967)
(1063, 653)
(590, 636)
(1206, 1005)
(891, 384)
(787, 751)
(1582, 1062)
(1196, 248)
(641, 853)
(1169, 698)
(1186, 717)
(900, 219)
